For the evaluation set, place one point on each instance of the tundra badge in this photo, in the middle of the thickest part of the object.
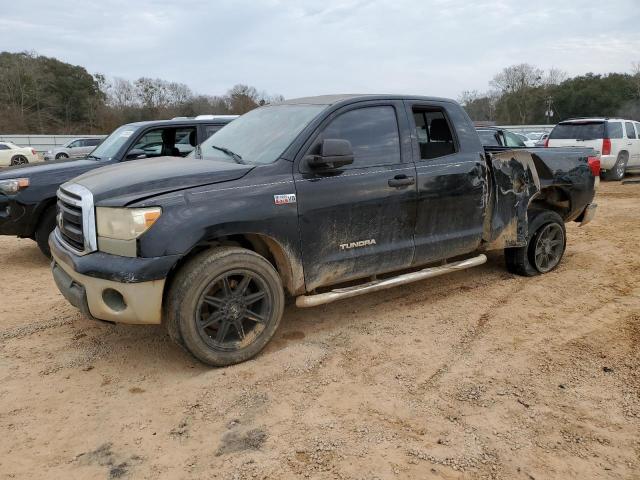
(284, 199)
(361, 243)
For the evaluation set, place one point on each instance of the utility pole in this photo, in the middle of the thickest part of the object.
(548, 112)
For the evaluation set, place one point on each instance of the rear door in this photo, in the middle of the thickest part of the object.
(633, 144)
(358, 220)
(451, 182)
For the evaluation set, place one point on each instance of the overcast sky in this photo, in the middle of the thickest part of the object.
(304, 47)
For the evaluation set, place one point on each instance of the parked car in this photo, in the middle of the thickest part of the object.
(11, 154)
(28, 194)
(76, 148)
(301, 197)
(499, 137)
(615, 140)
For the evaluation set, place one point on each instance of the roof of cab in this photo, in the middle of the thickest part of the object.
(356, 97)
(186, 121)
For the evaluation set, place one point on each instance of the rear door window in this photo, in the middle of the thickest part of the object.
(210, 130)
(631, 132)
(614, 130)
(433, 133)
(489, 138)
(578, 131)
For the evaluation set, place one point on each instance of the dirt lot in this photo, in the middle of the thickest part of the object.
(480, 374)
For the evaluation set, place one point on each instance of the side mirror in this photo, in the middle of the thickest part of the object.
(135, 154)
(334, 153)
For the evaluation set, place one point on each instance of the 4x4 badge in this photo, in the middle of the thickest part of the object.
(284, 199)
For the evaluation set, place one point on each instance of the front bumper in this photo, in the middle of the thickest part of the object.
(123, 297)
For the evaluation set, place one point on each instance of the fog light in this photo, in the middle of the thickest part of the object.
(114, 300)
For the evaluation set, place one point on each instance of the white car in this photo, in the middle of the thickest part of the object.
(11, 154)
(615, 140)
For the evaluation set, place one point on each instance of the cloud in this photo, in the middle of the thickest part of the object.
(432, 47)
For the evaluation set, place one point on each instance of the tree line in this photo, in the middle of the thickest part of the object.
(525, 94)
(42, 95)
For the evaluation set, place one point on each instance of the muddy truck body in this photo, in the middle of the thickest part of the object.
(320, 199)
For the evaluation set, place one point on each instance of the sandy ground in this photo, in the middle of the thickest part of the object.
(480, 374)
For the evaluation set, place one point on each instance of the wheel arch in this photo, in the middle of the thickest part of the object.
(553, 198)
(283, 260)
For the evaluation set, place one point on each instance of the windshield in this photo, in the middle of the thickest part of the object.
(260, 136)
(110, 146)
(578, 131)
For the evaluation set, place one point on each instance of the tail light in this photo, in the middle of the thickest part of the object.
(594, 166)
(546, 142)
(606, 146)
(34, 152)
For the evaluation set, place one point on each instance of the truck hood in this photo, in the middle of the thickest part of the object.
(118, 185)
(40, 172)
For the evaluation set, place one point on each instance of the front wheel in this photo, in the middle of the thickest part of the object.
(225, 305)
(46, 225)
(546, 244)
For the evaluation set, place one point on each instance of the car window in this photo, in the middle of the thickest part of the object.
(637, 125)
(74, 144)
(210, 130)
(4, 147)
(614, 130)
(578, 131)
(433, 133)
(513, 140)
(174, 142)
(631, 132)
(373, 133)
(489, 138)
(92, 142)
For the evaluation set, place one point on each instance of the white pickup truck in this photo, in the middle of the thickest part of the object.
(615, 140)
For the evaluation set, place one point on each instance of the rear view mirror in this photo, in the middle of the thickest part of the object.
(135, 154)
(334, 153)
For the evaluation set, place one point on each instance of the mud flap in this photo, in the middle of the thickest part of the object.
(515, 183)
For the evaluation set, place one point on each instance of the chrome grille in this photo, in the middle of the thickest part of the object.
(76, 221)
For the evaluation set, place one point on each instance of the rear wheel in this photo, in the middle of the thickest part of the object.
(545, 247)
(224, 305)
(19, 160)
(619, 169)
(61, 156)
(46, 225)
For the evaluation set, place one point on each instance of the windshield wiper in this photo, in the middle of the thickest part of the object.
(233, 155)
(93, 156)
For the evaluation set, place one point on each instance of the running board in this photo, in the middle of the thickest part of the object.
(376, 285)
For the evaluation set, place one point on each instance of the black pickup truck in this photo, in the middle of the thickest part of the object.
(28, 193)
(320, 198)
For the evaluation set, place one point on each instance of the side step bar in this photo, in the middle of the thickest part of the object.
(376, 285)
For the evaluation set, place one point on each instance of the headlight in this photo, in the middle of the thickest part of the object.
(125, 223)
(13, 185)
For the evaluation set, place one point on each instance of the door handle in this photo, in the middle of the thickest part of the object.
(401, 181)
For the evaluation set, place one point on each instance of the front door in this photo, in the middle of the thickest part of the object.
(451, 182)
(358, 220)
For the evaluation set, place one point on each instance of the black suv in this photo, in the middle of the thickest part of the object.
(28, 193)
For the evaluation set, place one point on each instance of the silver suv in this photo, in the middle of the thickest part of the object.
(76, 148)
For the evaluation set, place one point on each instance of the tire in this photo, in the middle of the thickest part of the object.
(546, 228)
(62, 156)
(45, 226)
(209, 316)
(19, 160)
(618, 171)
